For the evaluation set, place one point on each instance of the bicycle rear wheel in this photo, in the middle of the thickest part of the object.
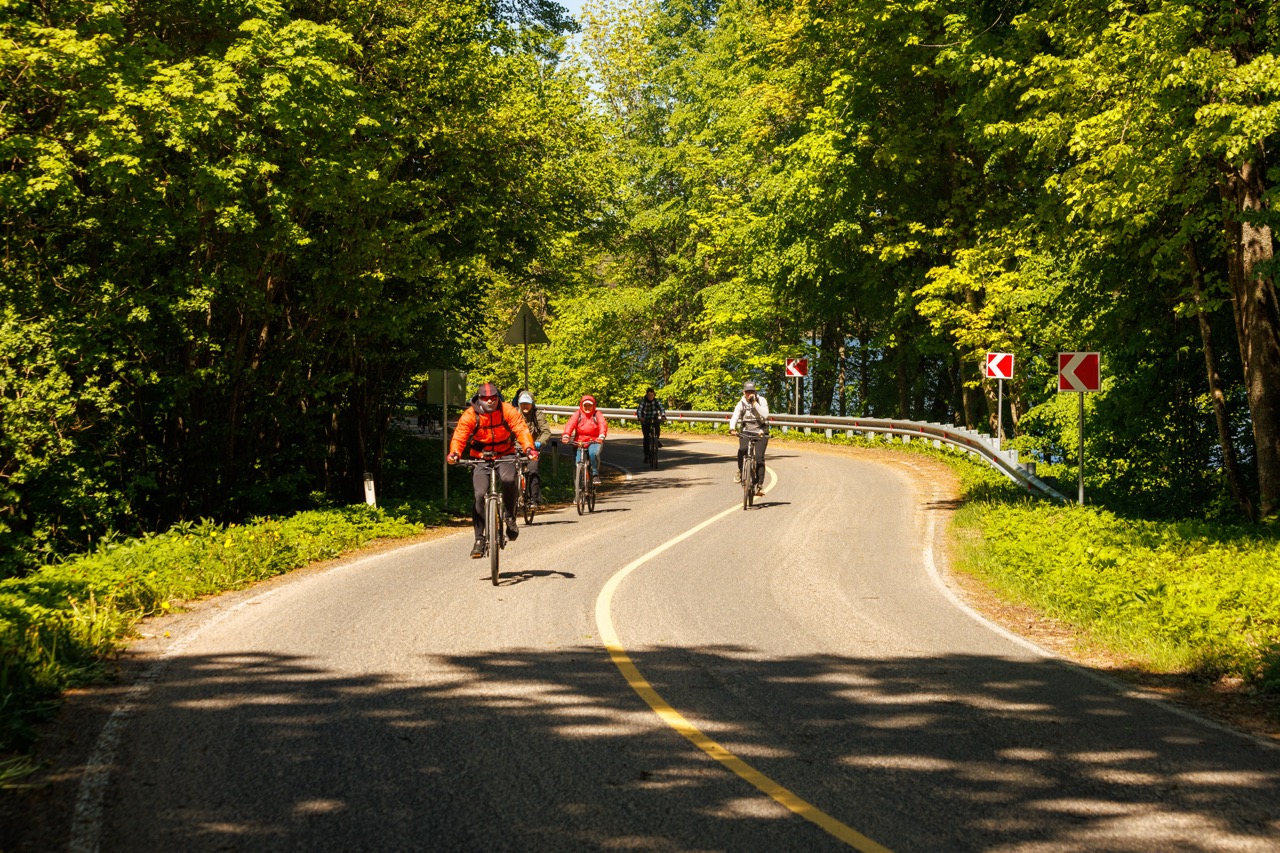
(493, 532)
(591, 496)
(526, 498)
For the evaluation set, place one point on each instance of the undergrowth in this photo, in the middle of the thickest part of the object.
(1193, 596)
(59, 623)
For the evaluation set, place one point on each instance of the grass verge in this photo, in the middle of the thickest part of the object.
(59, 624)
(1191, 598)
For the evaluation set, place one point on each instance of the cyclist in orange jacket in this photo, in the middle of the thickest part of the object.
(491, 424)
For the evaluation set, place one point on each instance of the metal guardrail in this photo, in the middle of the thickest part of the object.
(983, 446)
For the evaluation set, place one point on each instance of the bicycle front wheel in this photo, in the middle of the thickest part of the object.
(580, 488)
(493, 531)
(748, 482)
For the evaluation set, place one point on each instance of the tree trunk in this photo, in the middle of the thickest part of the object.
(825, 372)
(973, 403)
(903, 379)
(864, 376)
(842, 382)
(1257, 320)
(1229, 467)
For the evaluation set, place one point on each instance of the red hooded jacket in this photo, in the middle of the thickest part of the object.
(584, 427)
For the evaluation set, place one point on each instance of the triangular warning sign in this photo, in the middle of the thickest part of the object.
(525, 329)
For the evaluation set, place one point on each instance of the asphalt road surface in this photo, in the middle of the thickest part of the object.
(792, 677)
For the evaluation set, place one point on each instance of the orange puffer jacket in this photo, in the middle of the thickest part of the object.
(497, 431)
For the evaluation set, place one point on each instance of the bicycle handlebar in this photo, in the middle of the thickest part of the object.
(490, 459)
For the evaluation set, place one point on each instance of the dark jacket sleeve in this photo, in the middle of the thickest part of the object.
(541, 429)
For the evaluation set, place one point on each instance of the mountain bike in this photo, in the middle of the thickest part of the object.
(495, 532)
(584, 487)
(749, 481)
(651, 446)
(524, 497)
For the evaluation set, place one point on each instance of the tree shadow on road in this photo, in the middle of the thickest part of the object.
(529, 749)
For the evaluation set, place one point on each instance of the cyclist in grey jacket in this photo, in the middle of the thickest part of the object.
(751, 418)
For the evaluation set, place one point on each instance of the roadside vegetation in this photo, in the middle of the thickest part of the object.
(1191, 597)
(61, 623)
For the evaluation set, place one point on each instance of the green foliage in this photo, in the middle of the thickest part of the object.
(232, 233)
(893, 191)
(1179, 596)
(58, 623)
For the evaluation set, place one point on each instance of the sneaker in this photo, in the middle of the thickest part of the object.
(513, 532)
(737, 476)
(759, 491)
(595, 479)
(659, 445)
(477, 550)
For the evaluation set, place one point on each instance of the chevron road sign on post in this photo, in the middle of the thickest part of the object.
(797, 368)
(1081, 372)
(999, 367)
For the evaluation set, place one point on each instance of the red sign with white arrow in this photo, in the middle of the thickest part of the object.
(999, 365)
(797, 367)
(1079, 371)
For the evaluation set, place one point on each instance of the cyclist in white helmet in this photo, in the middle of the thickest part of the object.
(751, 418)
(541, 432)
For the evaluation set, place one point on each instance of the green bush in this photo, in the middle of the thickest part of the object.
(1190, 596)
(58, 623)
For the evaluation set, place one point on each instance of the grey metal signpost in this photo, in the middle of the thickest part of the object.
(1081, 372)
(797, 368)
(525, 329)
(441, 386)
(999, 367)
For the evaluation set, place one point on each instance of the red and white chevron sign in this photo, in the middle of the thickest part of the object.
(797, 367)
(999, 365)
(1079, 371)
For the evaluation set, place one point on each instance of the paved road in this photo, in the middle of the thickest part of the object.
(401, 702)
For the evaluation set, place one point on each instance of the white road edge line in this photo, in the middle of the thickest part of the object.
(1126, 690)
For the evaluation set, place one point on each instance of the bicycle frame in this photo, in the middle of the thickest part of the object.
(495, 532)
(584, 487)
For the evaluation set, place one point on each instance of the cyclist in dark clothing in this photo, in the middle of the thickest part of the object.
(541, 432)
(750, 419)
(651, 414)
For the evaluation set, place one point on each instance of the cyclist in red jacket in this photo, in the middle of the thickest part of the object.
(587, 425)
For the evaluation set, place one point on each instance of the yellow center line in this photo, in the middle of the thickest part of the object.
(677, 721)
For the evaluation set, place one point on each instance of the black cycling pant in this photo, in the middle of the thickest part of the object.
(652, 431)
(762, 443)
(535, 481)
(480, 482)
